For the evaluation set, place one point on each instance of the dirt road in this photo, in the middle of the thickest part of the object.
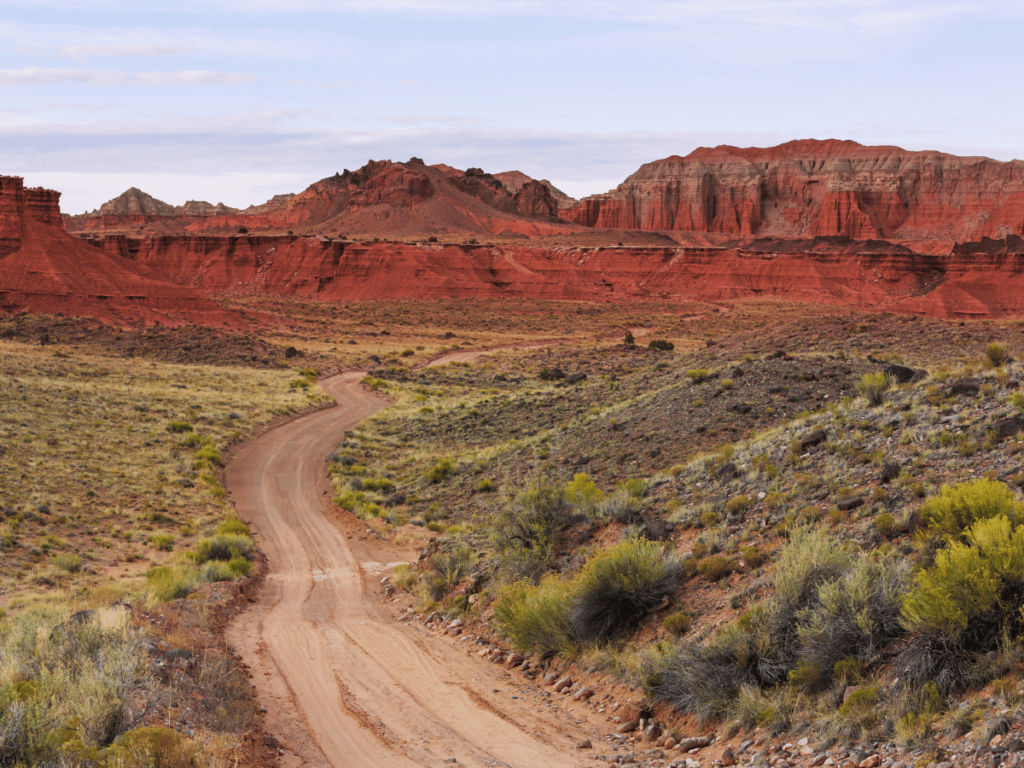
(344, 684)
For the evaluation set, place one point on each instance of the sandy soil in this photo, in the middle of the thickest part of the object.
(343, 683)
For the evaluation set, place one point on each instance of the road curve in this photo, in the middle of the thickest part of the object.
(344, 685)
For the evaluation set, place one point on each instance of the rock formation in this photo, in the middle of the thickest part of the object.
(43, 269)
(975, 280)
(816, 188)
(380, 199)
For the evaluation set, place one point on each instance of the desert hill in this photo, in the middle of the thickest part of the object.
(43, 269)
(380, 199)
(816, 188)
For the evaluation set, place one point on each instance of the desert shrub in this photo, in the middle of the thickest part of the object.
(446, 570)
(536, 617)
(222, 546)
(830, 602)
(240, 566)
(166, 582)
(441, 471)
(885, 524)
(717, 567)
(485, 486)
(753, 557)
(964, 604)
(584, 493)
(68, 562)
(710, 519)
(622, 507)
(737, 505)
(83, 675)
(618, 586)
(162, 541)
(957, 507)
(858, 718)
(727, 384)
(874, 387)
(661, 344)
(154, 746)
(233, 525)
(527, 526)
(996, 354)
(854, 615)
(179, 426)
(677, 624)
(216, 570)
(697, 375)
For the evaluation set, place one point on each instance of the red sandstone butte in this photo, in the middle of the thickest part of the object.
(380, 199)
(43, 269)
(816, 188)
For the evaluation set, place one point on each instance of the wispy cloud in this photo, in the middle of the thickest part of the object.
(40, 76)
(84, 51)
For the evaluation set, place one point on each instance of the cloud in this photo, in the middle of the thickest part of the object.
(40, 76)
(83, 51)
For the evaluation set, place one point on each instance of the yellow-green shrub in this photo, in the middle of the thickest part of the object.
(957, 507)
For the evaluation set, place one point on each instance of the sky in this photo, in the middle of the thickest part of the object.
(234, 101)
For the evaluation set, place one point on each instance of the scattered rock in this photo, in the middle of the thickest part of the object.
(575, 378)
(728, 757)
(627, 727)
(889, 473)
(585, 744)
(965, 386)
(851, 503)
(814, 438)
(1009, 427)
(899, 374)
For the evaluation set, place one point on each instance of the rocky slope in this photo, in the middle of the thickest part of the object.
(45, 270)
(816, 188)
(977, 280)
(380, 199)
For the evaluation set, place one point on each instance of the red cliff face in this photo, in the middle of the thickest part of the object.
(43, 269)
(974, 280)
(816, 188)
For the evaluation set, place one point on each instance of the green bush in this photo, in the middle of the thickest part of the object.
(584, 493)
(222, 546)
(661, 344)
(697, 375)
(618, 586)
(677, 624)
(753, 557)
(874, 387)
(441, 471)
(536, 618)
(996, 354)
(957, 507)
(485, 486)
(240, 566)
(447, 569)
(179, 426)
(162, 541)
(172, 582)
(885, 524)
(233, 525)
(83, 675)
(737, 505)
(717, 567)
(527, 528)
(69, 562)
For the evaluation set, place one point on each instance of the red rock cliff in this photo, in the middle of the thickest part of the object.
(983, 279)
(816, 188)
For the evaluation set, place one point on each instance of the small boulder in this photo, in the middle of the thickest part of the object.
(890, 472)
(728, 757)
(1009, 427)
(851, 503)
(627, 727)
(899, 374)
(965, 386)
(814, 438)
(585, 744)
(727, 471)
(575, 378)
